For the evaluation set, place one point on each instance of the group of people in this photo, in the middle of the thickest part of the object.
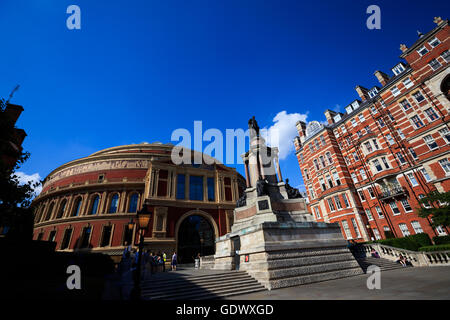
(149, 260)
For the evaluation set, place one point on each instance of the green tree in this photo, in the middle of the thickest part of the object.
(440, 212)
(16, 217)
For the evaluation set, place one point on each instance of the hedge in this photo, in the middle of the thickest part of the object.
(441, 247)
(413, 242)
(441, 240)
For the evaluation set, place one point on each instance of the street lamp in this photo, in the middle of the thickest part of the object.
(143, 217)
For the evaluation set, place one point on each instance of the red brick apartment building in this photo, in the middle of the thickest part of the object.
(367, 168)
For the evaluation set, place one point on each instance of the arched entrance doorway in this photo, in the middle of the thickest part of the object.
(195, 235)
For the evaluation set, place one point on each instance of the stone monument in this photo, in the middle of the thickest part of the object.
(273, 237)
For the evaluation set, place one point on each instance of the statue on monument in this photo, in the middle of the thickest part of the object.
(242, 201)
(261, 187)
(253, 127)
(292, 193)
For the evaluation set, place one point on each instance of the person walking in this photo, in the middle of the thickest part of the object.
(164, 261)
(174, 261)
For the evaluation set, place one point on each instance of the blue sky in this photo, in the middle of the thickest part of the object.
(137, 70)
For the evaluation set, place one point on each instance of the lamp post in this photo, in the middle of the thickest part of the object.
(143, 217)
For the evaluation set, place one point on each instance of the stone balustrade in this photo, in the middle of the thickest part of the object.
(417, 258)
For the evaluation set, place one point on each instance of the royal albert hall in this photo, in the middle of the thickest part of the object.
(87, 204)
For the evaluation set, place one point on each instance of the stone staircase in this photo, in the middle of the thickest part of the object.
(194, 286)
(384, 264)
(297, 267)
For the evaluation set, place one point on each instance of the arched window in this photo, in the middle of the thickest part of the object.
(94, 206)
(77, 207)
(62, 208)
(133, 203)
(49, 212)
(113, 204)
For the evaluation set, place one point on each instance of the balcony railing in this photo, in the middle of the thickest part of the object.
(387, 193)
(417, 258)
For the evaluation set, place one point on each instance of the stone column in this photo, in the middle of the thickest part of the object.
(84, 207)
(68, 207)
(101, 208)
(247, 174)
(277, 163)
(123, 200)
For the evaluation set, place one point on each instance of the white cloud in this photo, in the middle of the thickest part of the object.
(25, 178)
(337, 108)
(283, 131)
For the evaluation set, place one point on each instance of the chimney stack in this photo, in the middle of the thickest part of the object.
(329, 114)
(301, 129)
(297, 143)
(362, 92)
(382, 77)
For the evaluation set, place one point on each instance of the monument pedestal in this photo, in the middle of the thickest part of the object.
(282, 254)
(274, 238)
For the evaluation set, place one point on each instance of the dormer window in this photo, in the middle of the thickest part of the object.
(349, 109)
(422, 51)
(373, 92)
(434, 42)
(355, 105)
(337, 118)
(398, 69)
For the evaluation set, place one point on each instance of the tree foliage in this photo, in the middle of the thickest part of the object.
(437, 206)
(15, 197)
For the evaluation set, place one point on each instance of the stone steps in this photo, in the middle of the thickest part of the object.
(302, 274)
(384, 264)
(197, 287)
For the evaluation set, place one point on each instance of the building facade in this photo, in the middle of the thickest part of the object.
(367, 168)
(87, 204)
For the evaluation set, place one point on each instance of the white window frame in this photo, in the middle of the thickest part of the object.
(408, 83)
(446, 55)
(445, 133)
(417, 93)
(445, 165)
(408, 205)
(434, 42)
(404, 229)
(412, 179)
(379, 212)
(331, 204)
(421, 50)
(395, 91)
(346, 228)
(355, 226)
(376, 233)
(369, 215)
(434, 64)
(393, 206)
(417, 227)
(425, 174)
(429, 140)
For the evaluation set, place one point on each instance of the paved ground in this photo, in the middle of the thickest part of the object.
(424, 283)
